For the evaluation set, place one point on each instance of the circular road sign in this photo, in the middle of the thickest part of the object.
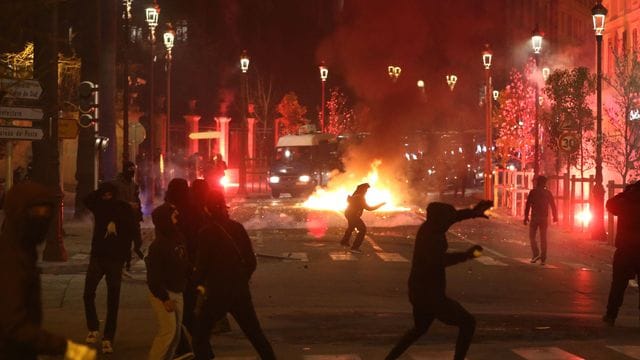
(569, 142)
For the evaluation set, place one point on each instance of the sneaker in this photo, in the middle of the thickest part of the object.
(92, 337)
(185, 356)
(356, 251)
(107, 347)
(608, 320)
(535, 258)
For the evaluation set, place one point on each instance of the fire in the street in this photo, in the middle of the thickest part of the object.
(334, 197)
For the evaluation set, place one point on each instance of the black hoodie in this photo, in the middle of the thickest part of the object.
(21, 335)
(427, 281)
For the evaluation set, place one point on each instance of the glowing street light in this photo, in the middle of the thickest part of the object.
(324, 73)
(421, 85)
(599, 14)
(394, 72)
(536, 40)
(496, 94)
(152, 14)
(244, 62)
(545, 73)
(451, 81)
(487, 56)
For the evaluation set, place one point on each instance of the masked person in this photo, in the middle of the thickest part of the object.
(539, 201)
(129, 192)
(356, 205)
(28, 212)
(114, 225)
(167, 272)
(427, 281)
(224, 267)
(626, 259)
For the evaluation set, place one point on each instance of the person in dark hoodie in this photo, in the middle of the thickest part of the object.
(167, 272)
(356, 205)
(224, 265)
(427, 281)
(539, 201)
(114, 225)
(28, 212)
(626, 259)
(129, 192)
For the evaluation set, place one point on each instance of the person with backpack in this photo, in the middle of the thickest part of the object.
(356, 206)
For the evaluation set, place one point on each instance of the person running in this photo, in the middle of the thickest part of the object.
(539, 201)
(427, 281)
(28, 208)
(224, 265)
(356, 205)
(129, 192)
(114, 225)
(626, 259)
(167, 272)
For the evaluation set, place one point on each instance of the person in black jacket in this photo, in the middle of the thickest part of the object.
(356, 205)
(28, 211)
(539, 201)
(167, 271)
(427, 281)
(224, 265)
(114, 227)
(626, 259)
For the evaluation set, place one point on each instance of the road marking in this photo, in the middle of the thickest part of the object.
(486, 260)
(577, 266)
(528, 262)
(629, 350)
(633, 283)
(373, 243)
(545, 353)
(296, 256)
(332, 357)
(424, 354)
(391, 257)
(342, 256)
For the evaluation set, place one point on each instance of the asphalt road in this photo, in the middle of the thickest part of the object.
(317, 301)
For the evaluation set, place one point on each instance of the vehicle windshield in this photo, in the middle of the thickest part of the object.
(293, 153)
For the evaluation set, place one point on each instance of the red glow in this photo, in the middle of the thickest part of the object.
(316, 225)
(584, 217)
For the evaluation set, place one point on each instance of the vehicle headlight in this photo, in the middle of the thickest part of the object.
(304, 178)
(274, 179)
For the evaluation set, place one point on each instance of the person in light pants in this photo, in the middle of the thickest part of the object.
(169, 315)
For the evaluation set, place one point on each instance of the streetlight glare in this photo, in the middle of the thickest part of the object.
(599, 14)
(169, 37)
(536, 40)
(420, 83)
(451, 81)
(244, 61)
(324, 72)
(152, 14)
(487, 56)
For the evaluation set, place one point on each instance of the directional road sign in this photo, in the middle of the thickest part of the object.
(20, 133)
(21, 113)
(21, 89)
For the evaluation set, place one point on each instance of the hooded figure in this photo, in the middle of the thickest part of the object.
(224, 265)
(427, 281)
(28, 213)
(356, 206)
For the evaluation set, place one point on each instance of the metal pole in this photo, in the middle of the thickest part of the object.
(242, 189)
(597, 198)
(536, 156)
(8, 182)
(488, 168)
(96, 159)
(322, 109)
(169, 61)
(125, 88)
(152, 144)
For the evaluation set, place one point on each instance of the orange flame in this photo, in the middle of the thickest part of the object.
(334, 197)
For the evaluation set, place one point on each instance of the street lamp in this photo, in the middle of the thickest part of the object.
(599, 13)
(152, 13)
(536, 44)
(394, 72)
(126, 16)
(421, 85)
(545, 73)
(324, 73)
(242, 173)
(451, 81)
(487, 56)
(169, 36)
(496, 94)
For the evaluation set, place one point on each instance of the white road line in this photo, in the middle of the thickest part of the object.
(631, 351)
(391, 257)
(545, 353)
(528, 262)
(426, 354)
(296, 256)
(332, 357)
(374, 245)
(486, 260)
(342, 256)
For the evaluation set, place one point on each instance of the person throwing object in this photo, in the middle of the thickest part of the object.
(357, 204)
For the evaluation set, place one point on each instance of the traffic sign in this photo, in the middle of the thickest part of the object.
(22, 113)
(20, 133)
(569, 142)
(67, 128)
(21, 89)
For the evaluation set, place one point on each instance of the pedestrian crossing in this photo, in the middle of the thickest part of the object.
(419, 352)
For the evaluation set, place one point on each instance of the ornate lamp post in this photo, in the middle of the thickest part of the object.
(599, 13)
(324, 73)
(451, 81)
(536, 44)
(169, 37)
(242, 171)
(152, 13)
(487, 56)
(394, 72)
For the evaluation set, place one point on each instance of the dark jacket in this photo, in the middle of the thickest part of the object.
(356, 205)
(167, 262)
(129, 192)
(21, 335)
(427, 281)
(225, 257)
(539, 201)
(626, 206)
(114, 246)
